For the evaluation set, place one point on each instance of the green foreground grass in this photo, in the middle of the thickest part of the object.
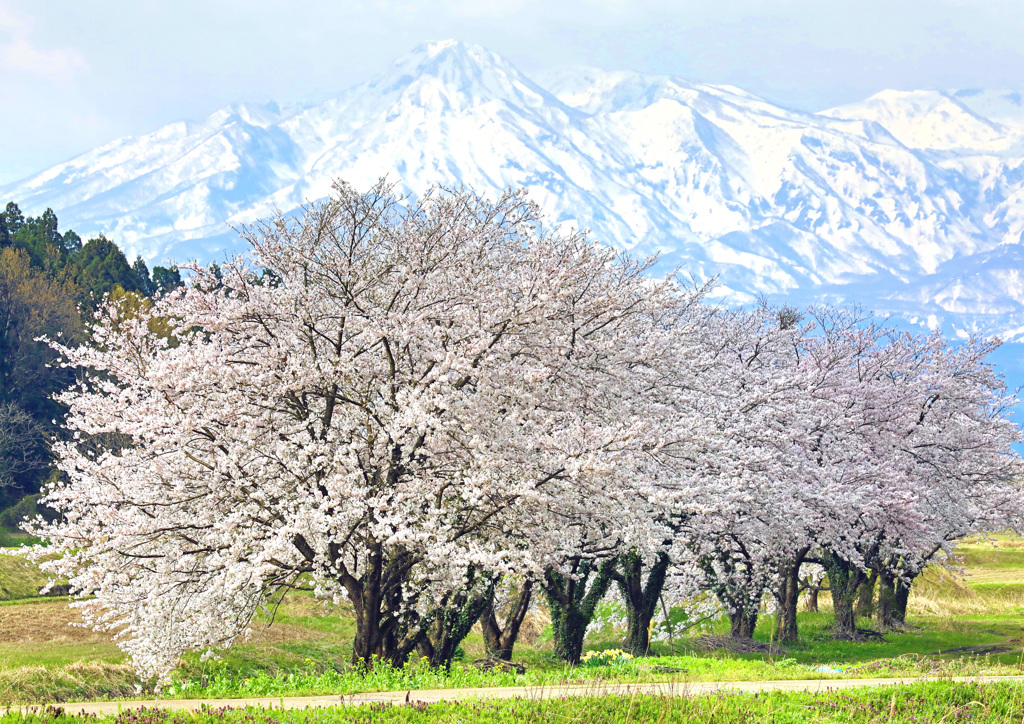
(969, 627)
(925, 702)
(19, 579)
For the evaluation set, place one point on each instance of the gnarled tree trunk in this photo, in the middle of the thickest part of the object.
(641, 600)
(886, 600)
(788, 595)
(573, 604)
(901, 599)
(448, 625)
(743, 623)
(499, 640)
(893, 596)
(382, 635)
(866, 596)
(843, 581)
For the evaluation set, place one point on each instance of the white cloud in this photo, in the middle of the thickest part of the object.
(18, 54)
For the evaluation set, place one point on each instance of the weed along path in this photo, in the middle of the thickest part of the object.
(433, 696)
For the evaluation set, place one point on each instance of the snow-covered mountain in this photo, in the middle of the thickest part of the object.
(910, 202)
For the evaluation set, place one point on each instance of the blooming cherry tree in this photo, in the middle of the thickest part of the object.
(401, 402)
(387, 395)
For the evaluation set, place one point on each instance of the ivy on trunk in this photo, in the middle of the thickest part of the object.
(893, 596)
(866, 596)
(641, 600)
(448, 625)
(843, 581)
(573, 603)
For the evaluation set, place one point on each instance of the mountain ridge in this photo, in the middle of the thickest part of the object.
(913, 200)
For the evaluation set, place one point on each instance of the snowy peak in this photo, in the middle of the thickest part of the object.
(261, 115)
(597, 91)
(425, 89)
(453, 75)
(592, 90)
(907, 199)
(926, 120)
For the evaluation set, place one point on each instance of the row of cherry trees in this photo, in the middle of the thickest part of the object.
(438, 410)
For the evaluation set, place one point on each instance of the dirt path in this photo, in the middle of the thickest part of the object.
(511, 692)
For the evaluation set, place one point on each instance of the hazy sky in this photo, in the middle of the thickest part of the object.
(77, 73)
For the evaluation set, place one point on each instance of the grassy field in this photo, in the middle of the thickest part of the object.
(963, 626)
(19, 579)
(913, 704)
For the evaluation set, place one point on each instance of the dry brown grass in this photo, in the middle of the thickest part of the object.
(964, 603)
(533, 625)
(49, 623)
(711, 642)
(996, 541)
(975, 576)
(45, 623)
(78, 681)
(941, 593)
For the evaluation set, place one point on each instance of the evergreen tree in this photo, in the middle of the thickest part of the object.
(72, 242)
(39, 237)
(43, 273)
(11, 220)
(146, 284)
(100, 266)
(165, 279)
(32, 305)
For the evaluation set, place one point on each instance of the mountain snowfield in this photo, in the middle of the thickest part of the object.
(910, 202)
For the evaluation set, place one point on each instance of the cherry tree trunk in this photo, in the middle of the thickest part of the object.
(449, 627)
(812, 599)
(376, 597)
(365, 595)
(641, 600)
(573, 604)
(886, 601)
(570, 629)
(786, 627)
(743, 623)
(893, 596)
(843, 581)
(379, 638)
(498, 640)
(901, 599)
(866, 596)
(366, 647)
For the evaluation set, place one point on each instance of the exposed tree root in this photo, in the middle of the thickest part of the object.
(738, 645)
(860, 634)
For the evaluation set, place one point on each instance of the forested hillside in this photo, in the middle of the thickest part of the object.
(50, 284)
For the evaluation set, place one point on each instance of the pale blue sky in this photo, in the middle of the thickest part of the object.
(75, 73)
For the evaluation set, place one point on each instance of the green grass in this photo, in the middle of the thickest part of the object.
(912, 704)
(19, 578)
(15, 655)
(930, 637)
(969, 626)
(978, 556)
